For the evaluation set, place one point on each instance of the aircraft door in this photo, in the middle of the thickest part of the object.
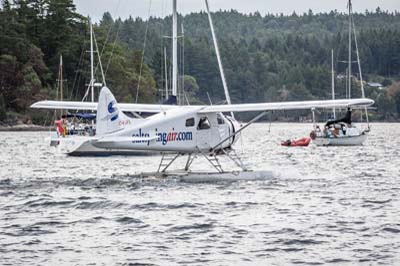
(204, 133)
(223, 127)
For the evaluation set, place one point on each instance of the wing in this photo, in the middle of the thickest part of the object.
(127, 107)
(287, 105)
(156, 108)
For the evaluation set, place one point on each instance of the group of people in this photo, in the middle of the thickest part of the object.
(65, 127)
(336, 128)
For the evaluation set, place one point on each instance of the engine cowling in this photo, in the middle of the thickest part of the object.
(234, 125)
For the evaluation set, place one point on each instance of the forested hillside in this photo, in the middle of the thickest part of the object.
(266, 58)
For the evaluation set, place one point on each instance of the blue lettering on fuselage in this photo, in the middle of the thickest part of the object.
(164, 137)
(140, 134)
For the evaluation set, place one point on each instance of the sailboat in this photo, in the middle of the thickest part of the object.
(342, 132)
(74, 131)
(81, 144)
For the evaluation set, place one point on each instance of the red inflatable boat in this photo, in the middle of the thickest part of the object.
(293, 143)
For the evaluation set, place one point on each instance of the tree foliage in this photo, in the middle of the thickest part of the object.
(266, 58)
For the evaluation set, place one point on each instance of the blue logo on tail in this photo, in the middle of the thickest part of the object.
(112, 109)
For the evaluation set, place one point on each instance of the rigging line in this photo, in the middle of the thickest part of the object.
(340, 47)
(270, 122)
(360, 72)
(144, 47)
(86, 93)
(358, 61)
(104, 45)
(45, 120)
(76, 91)
(350, 55)
(77, 73)
(183, 56)
(114, 43)
(91, 66)
(113, 47)
(99, 63)
(58, 85)
(182, 6)
(163, 59)
(109, 30)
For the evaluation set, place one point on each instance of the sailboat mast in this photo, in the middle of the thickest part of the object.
(221, 69)
(174, 49)
(349, 66)
(91, 63)
(333, 86)
(166, 73)
(61, 79)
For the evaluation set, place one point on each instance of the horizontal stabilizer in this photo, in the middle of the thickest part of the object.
(110, 142)
(124, 139)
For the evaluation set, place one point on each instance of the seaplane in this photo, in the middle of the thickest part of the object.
(175, 131)
(208, 131)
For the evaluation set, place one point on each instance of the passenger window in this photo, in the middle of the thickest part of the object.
(220, 120)
(190, 122)
(204, 123)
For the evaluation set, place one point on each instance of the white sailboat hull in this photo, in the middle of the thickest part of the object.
(341, 141)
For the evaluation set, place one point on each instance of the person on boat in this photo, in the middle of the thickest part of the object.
(343, 128)
(59, 127)
(65, 126)
(346, 119)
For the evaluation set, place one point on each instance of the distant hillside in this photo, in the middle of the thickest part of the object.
(266, 58)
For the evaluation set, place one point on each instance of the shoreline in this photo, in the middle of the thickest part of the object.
(27, 128)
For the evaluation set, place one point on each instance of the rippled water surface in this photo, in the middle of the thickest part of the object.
(336, 205)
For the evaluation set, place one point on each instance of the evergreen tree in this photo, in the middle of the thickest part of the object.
(3, 113)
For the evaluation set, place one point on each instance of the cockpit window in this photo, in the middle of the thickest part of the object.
(220, 120)
(204, 123)
(190, 122)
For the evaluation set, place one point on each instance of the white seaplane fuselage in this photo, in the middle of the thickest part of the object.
(175, 129)
(178, 130)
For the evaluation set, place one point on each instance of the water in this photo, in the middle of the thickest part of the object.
(323, 205)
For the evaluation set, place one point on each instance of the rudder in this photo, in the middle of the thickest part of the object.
(109, 118)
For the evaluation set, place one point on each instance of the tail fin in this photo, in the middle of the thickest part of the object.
(109, 118)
